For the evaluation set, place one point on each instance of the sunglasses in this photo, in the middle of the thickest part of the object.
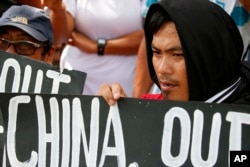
(21, 47)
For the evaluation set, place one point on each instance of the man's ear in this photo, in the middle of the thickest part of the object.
(53, 56)
(49, 56)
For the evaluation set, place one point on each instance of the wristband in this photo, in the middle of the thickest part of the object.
(101, 43)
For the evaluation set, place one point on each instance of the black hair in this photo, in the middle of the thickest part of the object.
(158, 18)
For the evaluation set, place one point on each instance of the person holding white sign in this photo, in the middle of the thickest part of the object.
(194, 51)
(27, 31)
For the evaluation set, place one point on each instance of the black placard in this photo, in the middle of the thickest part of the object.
(70, 130)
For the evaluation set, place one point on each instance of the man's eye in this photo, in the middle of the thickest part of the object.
(178, 54)
(155, 52)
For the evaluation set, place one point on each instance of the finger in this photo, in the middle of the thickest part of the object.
(106, 92)
(117, 91)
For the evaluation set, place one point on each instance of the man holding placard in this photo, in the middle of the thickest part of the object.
(194, 51)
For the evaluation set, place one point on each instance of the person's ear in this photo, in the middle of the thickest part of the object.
(49, 56)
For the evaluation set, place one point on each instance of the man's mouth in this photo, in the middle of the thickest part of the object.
(167, 86)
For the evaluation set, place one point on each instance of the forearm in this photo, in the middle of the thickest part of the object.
(62, 23)
(142, 81)
(125, 45)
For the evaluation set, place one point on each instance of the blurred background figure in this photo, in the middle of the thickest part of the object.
(102, 39)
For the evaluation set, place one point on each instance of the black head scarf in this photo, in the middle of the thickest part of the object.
(212, 47)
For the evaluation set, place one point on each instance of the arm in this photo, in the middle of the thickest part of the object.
(128, 44)
(124, 45)
(59, 16)
(142, 81)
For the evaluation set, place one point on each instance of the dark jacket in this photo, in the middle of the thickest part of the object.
(212, 47)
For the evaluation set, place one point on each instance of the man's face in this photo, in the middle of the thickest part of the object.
(169, 63)
(14, 34)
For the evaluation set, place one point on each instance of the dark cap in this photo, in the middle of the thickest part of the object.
(32, 20)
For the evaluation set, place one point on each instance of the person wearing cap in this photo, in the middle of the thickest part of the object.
(194, 51)
(27, 31)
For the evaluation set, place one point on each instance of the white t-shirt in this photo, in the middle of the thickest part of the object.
(103, 19)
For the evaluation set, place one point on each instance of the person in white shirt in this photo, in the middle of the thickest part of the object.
(104, 39)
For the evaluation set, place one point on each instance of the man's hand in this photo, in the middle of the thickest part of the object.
(111, 93)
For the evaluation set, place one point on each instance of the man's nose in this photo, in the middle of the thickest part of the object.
(165, 66)
(11, 49)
